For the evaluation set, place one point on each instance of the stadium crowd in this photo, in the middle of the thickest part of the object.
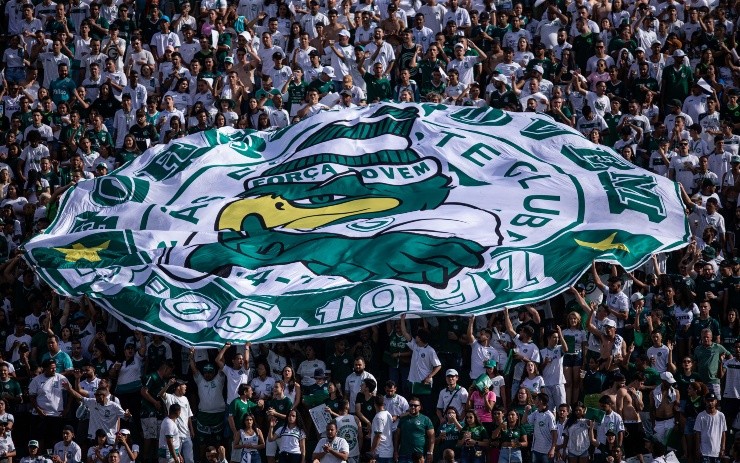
(623, 367)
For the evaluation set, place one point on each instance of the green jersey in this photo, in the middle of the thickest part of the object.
(281, 406)
(239, 409)
(413, 431)
(708, 359)
(153, 384)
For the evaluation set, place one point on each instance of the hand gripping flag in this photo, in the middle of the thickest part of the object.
(350, 218)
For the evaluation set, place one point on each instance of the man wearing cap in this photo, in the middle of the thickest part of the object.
(666, 402)
(185, 419)
(317, 392)
(676, 80)
(163, 39)
(452, 396)
(211, 404)
(279, 72)
(33, 454)
(47, 399)
(710, 430)
(340, 55)
(465, 64)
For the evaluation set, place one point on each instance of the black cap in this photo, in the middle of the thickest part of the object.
(710, 396)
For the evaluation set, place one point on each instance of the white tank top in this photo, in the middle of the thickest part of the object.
(347, 430)
(247, 439)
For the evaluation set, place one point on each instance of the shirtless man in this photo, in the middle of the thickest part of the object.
(629, 405)
(666, 402)
(613, 349)
(331, 31)
(613, 392)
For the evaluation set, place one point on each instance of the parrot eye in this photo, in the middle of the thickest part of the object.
(317, 200)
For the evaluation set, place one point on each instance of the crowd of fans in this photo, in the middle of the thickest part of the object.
(624, 366)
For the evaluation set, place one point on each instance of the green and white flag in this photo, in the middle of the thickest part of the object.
(350, 218)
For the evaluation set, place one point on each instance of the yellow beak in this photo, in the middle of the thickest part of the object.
(275, 211)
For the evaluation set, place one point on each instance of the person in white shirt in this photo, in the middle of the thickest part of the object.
(237, 373)
(354, 380)
(105, 414)
(331, 449)
(184, 420)
(552, 371)
(381, 439)
(169, 437)
(710, 430)
(47, 400)
(659, 354)
(424, 361)
(545, 429)
(452, 396)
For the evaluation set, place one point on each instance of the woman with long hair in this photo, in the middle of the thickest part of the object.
(523, 52)
(129, 151)
(101, 356)
(14, 200)
(292, 388)
(181, 95)
(106, 105)
(730, 330)
(578, 434)
(512, 436)
(693, 406)
(175, 131)
(333, 402)
(474, 440)
(291, 438)
(250, 440)
(531, 378)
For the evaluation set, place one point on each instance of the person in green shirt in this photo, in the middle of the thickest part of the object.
(152, 409)
(450, 431)
(709, 356)
(473, 440)
(685, 376)
(378, 85)
(415, 434)
(340, 362)
(512, 437)
(241, 407)
(279, 405)
(677, 79)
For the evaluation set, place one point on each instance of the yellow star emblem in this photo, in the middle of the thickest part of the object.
(80, 251)
(605, 244)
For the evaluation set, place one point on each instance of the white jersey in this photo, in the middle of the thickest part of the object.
(382, 425)
(552, 373)
(348, 430)
(423, 361)
(337, 444)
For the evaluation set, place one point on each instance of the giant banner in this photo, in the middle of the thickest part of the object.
(350, 218)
